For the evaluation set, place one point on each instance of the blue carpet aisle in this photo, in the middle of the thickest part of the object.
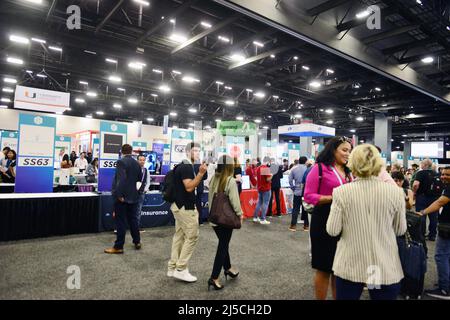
(274, 264)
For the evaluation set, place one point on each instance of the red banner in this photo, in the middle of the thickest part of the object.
(249, 199)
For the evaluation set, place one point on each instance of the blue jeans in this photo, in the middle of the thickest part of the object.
(263, 204)
(422, 202)
(442, 258)
(348, 290)
(139, 208)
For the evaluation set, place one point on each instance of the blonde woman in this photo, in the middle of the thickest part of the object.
(223, 181)
(368, 214)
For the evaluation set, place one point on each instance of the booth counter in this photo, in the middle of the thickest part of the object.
(249, 199)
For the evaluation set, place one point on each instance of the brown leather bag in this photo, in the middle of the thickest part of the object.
(222, 213)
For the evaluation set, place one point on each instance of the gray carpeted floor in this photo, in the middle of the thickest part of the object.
(274, 264)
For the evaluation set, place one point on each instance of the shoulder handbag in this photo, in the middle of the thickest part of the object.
(412, 256)
(309, 208)
(222, 213)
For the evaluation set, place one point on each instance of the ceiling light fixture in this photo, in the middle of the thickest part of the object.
(305, 68)
(329, 121)
(176, 72)
(352, 130)
(192, 110)
(115, 79)
(9, 80)
(90, 52)
(164, 88)
(315, 84)
(83, 82)
(89, 116)
(29, 72)
(91, 94)
(329, 111)
(3, 106)
(239, 118)
(19, 39)
(257, 120)
(428, 60)
(154, 95)
(377, 89)
(110, 60)
(117, 106)
(40, 75)
(228, 88)
(260, 94)
(157, 71)
(7, 100)
(142, 2)
(55, 48)
(178, 37)
(223, 39)
(80, 100)
(133, 100)
(9, 90)
(100, 113)
(237, 57)
(219, 83)
(38, 40)
(136, 65)
(363, 14)
(190, 79)
(272, 56)
(150, 119)
(173, 114)
(206, 24)
(258, 44)
(359, 119)
(229, 102)
(121, 89)
(330, 71)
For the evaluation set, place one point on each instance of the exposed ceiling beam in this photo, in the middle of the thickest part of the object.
(328, 5)
(185, 6)
(214, 28)
(109, 16)
(388, 34)
(407, 46)
(238, 45)
(50, 11)
(262, 56)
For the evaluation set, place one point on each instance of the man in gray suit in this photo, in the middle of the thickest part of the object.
(126, 198)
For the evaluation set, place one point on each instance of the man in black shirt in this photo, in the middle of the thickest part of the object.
(422, 189)
(442, 254)
(277, 174)
(185, 214)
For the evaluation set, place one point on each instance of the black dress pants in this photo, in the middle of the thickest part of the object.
(222, 258)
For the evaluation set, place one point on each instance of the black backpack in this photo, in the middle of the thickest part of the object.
(437, 187)
(168, 188)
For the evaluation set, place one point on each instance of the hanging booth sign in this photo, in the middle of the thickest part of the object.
(139, 146)
(236, 148)
(9, 139)
(62, 147)
(307, 130)
(41, 100)
(180, 138)
(34, 172)
(112, 136)
(236, 128)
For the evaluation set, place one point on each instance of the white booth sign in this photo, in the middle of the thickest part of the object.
(41, 100)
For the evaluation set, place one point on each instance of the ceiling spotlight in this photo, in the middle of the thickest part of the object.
(239, 118)
(100, 113)
(329, 121)
(191, 124)
(207, 127)
(206, 24)
(192, 110)
(133, 100)
(5, 100)
(404, 135)
(150, 119)
(258, 44)
(3, 106)
(237, 57)
(260, 94)
(157, 71)
(428, 60)
(357, 86)
(29, 72)
(154, 95)
(83, 82)
(298, 115)
(173, 114)
(360, 119)
(115, 79)
(217, 120)
(377, 89)
(249, 90)
(110, 60)
(121, 89)
(176, 72)
(295, 58)
(164, 88)
(305, 68)
(229, 102)
(315, 84)
(352, 130)
(136, 65)
(257, 120)
(40, 75)
(14, 60)
(384, 105)
(190, 79)
(448, 28)
(228, 88)
(39, 40)
(80, 100)
(419, 2)
(272, 56)
(117, 106)
(223, 39)
(91, 94)
(89, 116)
(172, 21)
(142, 2)
(275, 97)
(178, 37)
(330, 71)
(19, 39)
(266, 127)
(219, 83)
(363, 14)
(9, 80)
(87, 51)
(55, 48)
(329, 111)
(9, 90)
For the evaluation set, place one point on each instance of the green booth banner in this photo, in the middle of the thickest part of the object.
(237, 128)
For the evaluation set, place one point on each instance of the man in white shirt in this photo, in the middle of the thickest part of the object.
(143, 188)
(81, 163)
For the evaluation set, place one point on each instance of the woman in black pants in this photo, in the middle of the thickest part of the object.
(223, 181)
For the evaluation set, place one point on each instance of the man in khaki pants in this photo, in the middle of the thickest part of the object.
(186, 216)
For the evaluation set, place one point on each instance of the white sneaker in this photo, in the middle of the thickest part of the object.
(170, 273)
(256, 220)
(264, 222)
(184, 276)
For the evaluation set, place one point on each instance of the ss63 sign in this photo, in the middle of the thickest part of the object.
(108, 164)
(35, 162)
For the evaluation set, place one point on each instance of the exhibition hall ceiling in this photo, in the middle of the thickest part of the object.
(201, 61)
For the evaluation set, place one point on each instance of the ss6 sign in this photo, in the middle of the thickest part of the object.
(35, 162)
(108, 164)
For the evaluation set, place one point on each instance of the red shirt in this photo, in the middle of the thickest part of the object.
(262, 173)
(251, 172)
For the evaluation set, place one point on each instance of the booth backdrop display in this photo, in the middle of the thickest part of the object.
(112, 136)
(293, 152)
(267, 148)
(62, 147)
(237, 128)
(9, 139)
(249, 199)
(180, 138)
(166, 159)
(96, 147)
(236, 148)
(139, 146)
(34, 171)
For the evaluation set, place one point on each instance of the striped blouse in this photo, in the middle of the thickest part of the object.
(368, 214)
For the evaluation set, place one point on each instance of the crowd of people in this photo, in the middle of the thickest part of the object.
(353, 206)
